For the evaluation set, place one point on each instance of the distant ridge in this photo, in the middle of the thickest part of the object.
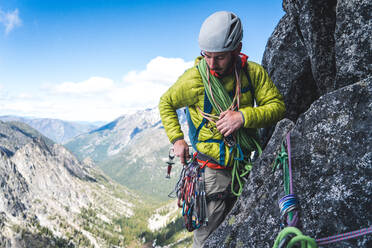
(57, 130)
(132, 150)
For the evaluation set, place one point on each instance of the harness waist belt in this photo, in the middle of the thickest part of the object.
(220, 196)
(206, 160)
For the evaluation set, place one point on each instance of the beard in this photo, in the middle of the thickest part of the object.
(222, 72)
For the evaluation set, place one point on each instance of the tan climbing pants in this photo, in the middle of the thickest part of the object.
(215, 181)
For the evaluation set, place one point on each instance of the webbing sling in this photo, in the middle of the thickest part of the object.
(194, 132)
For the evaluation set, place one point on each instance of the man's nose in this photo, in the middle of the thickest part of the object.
(213, 63)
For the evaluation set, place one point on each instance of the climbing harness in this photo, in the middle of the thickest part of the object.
(221, 101)
(291, 235)
(190, 191)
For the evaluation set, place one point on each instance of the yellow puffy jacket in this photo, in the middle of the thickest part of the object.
(189, 92)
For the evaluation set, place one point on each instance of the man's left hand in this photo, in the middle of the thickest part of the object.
(229, 121)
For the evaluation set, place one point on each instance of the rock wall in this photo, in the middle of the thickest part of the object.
(319, 56)
(317, 47)
(332, 174)
(14, 189)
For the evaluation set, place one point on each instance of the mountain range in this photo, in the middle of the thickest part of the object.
(132, 150)
(48, 198)
(57, 130)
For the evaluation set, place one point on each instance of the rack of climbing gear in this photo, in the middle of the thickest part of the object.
(290, 234)
(190, 191)
(170, 162)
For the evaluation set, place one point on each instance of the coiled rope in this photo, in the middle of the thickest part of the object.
(286, 233)
(221, 101)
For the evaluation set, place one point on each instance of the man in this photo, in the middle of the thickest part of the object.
(223, 137)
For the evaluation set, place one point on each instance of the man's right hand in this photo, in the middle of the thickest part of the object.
(181, 150)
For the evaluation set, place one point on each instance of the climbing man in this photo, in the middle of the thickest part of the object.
(227, 98)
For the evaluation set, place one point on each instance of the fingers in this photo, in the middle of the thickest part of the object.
(187, 152)
(182, 158)
(222, 114)
(182, 155)
(229, 122)
(227, 132)
(224, 124)
(221, 126)
(185, 156)
(181, 150)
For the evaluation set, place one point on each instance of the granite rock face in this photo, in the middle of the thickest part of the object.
(288, 64)
(14, 193)
(15, 136)
(353, 41)
(317, 47)
(331, 147)
(316, 24)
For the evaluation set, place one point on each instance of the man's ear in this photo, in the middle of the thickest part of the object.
(237, 50)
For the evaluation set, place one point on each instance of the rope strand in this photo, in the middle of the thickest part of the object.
(289, 214)
(344, 236)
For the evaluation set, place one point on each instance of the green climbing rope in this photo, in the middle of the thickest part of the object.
(305, 241)
(221, 101)
(282, 160)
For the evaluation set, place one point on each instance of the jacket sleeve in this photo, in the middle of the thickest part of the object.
(270, 105)
(184, 92)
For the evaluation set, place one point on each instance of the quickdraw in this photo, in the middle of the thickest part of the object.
(190, 191)
(170, 162)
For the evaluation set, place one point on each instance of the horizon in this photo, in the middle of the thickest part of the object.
(73, 121)
(98, 60)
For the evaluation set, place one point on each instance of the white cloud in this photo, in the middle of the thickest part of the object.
(159, 70)
(10, 20)
(98, 98)
(3, 93)
(91, 86)
(25, 95)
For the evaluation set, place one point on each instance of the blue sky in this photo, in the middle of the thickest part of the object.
(95, 60)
